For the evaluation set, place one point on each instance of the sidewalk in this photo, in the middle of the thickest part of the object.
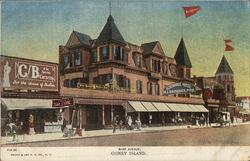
(94, 133)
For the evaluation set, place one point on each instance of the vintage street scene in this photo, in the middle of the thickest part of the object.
(125, 73)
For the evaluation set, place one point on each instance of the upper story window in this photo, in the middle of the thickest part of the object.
(138, 86)
(127, 85)
(138, 61)
(65, 60)
(156, 66)
(149, 88)
(104, 55)
(118, 53)
(173, 70)
(77, 57)
(157, 89)
(187, 73)
(165, 68)
(180, 72)
(67, 83)
(94, 56)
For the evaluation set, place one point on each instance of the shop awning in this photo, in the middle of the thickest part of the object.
(201, 108)
(174, 107)
(186, 108)
(23, 104)
(161, 106)
(136, 106)
(194, 108)
(149, 106)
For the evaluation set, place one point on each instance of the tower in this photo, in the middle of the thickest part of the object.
(225, 76)
(183, 62)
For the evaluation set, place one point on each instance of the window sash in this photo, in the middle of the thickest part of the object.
(77, 58)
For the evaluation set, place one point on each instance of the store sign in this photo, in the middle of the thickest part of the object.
(179, 88)
(28, 74)
(63, 102)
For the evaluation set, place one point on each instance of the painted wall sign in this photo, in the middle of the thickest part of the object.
(179, 88)
(28, 74)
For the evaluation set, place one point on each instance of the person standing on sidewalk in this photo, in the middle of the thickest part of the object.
(120, 124)
(114, 123)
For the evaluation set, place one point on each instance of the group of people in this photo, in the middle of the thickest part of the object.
(128, 123)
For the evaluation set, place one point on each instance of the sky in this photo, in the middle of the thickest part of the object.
(35, 29)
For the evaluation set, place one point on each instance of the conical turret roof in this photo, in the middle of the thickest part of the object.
(110, 32)
(224, 67)
(181, 55)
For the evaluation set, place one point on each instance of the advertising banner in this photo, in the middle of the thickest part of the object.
(28, 74)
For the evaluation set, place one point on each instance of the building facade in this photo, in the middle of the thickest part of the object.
(109, 77)
(28, 88)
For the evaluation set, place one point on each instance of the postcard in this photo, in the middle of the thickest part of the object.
(125, 80)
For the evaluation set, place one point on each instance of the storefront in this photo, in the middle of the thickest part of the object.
(45, 118)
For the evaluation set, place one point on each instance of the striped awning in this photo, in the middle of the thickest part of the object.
(174, 107)
(162, 107)
(136, 106)
(149, 106)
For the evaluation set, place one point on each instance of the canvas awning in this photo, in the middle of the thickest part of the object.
(25, 104)
(136, 106)
(149, 106)
(194, 108)
(162, 107)
(186, 108)
(201, 108)
(174, 107)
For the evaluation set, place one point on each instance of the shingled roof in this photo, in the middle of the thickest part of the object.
(181, 55)
(83, 38)
(110, 32)
(148, 47)
(224, 67)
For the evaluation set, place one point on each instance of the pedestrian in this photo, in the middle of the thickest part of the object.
(163, 119)
(120, 124)
(130, 123)
(138, 124)
(13, 130)
(150, 119)
(114, 124)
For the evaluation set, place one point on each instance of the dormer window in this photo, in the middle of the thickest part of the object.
(77, 57)
(156, 65)
(138, 61)
(165, 68)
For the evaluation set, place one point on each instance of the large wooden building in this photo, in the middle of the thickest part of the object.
(109, 77)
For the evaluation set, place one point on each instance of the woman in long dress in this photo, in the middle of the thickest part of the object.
(6, 75)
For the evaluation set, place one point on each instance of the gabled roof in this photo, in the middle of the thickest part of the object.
(83, 38)
(77, 38)
(181, 55)
(148, 47)
(224, 67)
(110, 32)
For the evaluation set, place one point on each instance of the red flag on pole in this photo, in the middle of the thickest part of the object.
(228, 47)
(189, 11)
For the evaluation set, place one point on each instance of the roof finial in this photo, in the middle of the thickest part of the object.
(109, 7)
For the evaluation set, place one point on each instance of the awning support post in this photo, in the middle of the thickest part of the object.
(103, 119)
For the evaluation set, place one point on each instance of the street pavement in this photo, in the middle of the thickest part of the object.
(173, 135)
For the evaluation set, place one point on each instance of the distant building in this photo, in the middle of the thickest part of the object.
(219, 91)
(243, 102)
